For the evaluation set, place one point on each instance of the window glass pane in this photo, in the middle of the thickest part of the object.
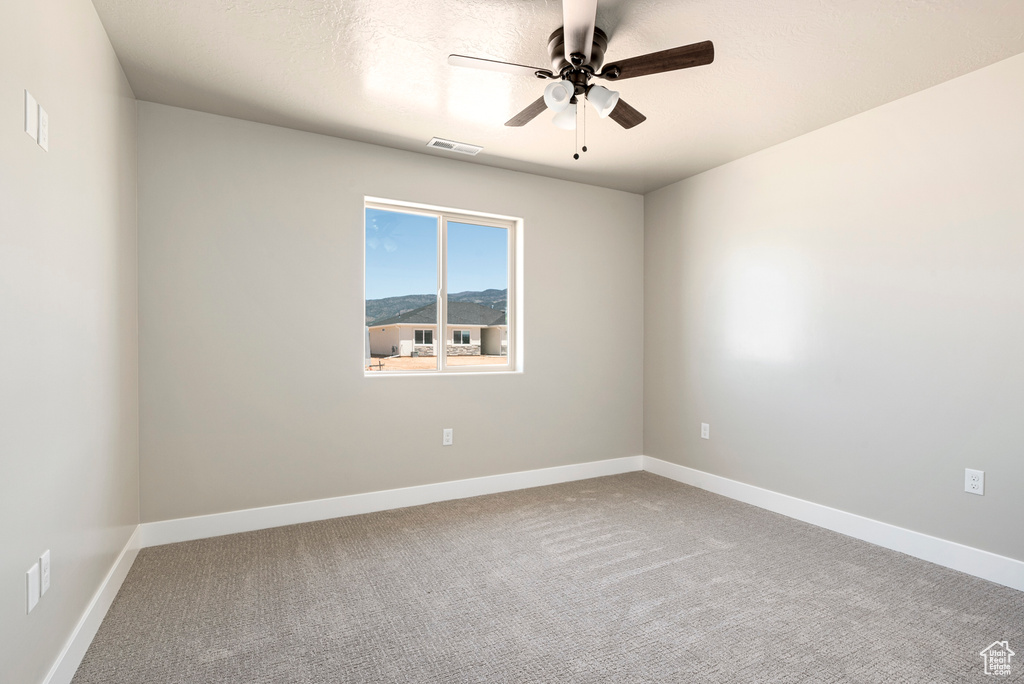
(428, 337)
(401, 287)
(478, 293)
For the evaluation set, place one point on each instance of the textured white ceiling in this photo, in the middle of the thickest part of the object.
(376, 71)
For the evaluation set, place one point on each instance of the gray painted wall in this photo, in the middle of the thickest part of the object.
(68, 324)
(251, 334)
(846, 310)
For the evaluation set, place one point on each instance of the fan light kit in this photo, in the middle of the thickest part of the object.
(604, 100)
(566, 119)
(577, 55)
(558, 95)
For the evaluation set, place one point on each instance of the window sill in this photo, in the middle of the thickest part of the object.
(437, 374)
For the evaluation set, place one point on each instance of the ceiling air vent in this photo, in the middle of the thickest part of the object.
(452, 146)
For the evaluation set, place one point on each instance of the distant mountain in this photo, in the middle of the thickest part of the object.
(380, 309)
(496, 299)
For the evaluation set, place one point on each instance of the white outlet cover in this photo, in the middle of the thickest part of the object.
(31, 116)
(705, 431)
(32, 585)
(974, 481)
(44, 572)
(446, 437)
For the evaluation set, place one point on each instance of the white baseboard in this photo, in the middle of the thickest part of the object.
(217, 524)
(70, 657)
(983, 564)
(993, 567)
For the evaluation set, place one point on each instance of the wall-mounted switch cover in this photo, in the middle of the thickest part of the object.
(32, 584)
(44, 572)
(974, 481)
(31, 116)
(705, 431)
(44, 129)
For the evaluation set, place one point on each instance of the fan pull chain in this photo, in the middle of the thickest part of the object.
(584, 125)
(576, 133)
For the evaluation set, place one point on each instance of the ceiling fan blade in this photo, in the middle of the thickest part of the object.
(494, 65)
(529, 114)
(625, 115)
(683, 57)
(578, 20)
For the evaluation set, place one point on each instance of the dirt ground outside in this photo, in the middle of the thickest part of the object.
(408, 363)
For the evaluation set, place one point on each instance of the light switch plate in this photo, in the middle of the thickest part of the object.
(31, 116)
(44, 572)
(44, 129)
(32, 584)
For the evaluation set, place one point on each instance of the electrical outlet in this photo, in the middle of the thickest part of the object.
(705, 431)
(446, 437)
(32, 585)
(44, 572)
(974, 481)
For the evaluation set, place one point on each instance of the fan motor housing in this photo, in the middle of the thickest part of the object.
(556, 50)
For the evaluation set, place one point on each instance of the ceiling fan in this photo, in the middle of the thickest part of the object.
(577, 55)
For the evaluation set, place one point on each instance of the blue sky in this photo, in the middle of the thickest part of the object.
(401, 255)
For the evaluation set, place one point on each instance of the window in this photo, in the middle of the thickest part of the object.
(434, 274)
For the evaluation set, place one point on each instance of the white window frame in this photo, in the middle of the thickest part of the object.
(513, 312)
(425, 332)
(462, 335)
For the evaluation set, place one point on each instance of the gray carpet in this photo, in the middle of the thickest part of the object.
(631, 578)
